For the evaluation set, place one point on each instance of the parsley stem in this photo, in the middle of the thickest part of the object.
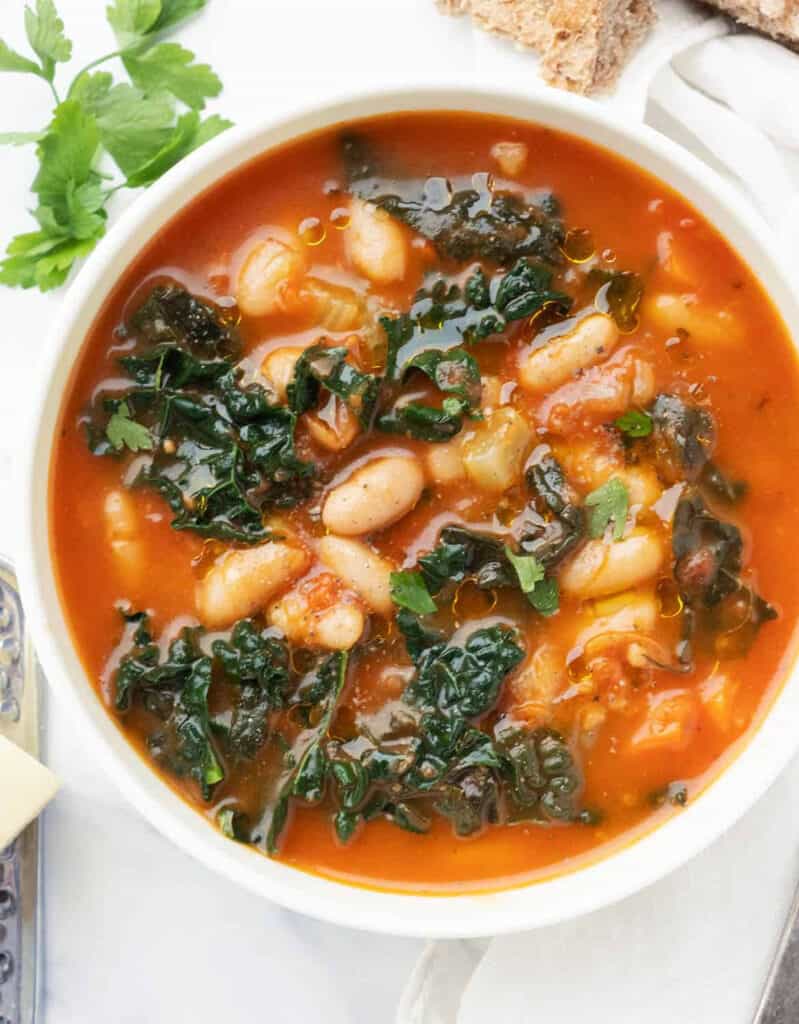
(54, 91)
(93, 64)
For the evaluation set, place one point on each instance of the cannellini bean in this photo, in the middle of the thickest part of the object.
(122, 533)
(633, 612)
(444, 462)
(670, 722)
(590, 341)
(278, 369)
(336, 628)
(335, 426)
(671, 313)
(591, 466)
(511, 157)
(598, 569)
(242, 581)
(533, 689)
(334, 307)
(493, 454)
(644, 384)
(376, 244)
(375, 496)
(361, 569)
(269, 277)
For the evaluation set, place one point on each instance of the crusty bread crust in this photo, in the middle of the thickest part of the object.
(588, 42)
(776, 18)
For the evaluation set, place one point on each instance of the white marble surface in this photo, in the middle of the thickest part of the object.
(135, 930)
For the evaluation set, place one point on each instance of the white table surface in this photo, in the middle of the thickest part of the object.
(135, 930)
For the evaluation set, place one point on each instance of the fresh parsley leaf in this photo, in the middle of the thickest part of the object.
(131, 20)
(189, 134)
(542, 592)
(634, 423)
(10, 60)
(168, 67)
(123, 432)
(608, 503)
(528, 569)
(39, 260)
(138, 125)
(408, 590)
(66, 153)
(45, 31)
(545, 596)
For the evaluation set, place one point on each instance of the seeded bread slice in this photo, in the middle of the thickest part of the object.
(776, 18)
(588, 42)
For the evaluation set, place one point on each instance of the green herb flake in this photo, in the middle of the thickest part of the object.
(634, 423)
(528, 569)
(124, 432)
(609, 504)
(408, 590)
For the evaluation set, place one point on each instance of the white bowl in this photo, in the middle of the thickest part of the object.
(617, 875)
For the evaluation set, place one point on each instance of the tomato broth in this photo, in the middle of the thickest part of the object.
(584, 419)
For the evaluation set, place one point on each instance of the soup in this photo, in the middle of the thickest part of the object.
(419, 506)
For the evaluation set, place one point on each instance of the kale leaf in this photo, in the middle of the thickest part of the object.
(447, 315)
(543, 780)
(307, 779)
(456, 374)
(553, 522)
(474, 222)
(175, 689)
(321, 367)
(462, 553)
(222, 453)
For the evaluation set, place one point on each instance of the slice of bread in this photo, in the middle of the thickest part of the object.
(776, 18)
(588, 42)
(583, 44)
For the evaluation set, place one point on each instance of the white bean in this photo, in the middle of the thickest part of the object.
(122, 533)
(375, 496)
(278, 369)
(672, 313)
(494, 453)
(534, 688)
(361, 569)
(590, 341)
(268, 280)
(634, 612)
(242, 581)
(444, 462)
(336, 628)
(511, 157)
(598, 569)
(376, 244)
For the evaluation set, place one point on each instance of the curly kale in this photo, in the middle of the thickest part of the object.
(447, 315)
(219, 453)
(553, 522)
(175, 690)
(473, 222)
(174, 687)
(320, 367)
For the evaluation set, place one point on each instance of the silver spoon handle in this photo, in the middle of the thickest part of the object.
(780, 1001)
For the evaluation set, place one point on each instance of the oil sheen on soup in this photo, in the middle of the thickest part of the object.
(420, 505)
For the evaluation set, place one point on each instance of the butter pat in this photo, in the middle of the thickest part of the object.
(25, 787)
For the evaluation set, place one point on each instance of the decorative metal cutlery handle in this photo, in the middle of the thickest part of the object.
(19, 862)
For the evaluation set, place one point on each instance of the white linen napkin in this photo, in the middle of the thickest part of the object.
(696, 946)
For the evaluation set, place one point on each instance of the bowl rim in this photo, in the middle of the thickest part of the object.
(599, 883)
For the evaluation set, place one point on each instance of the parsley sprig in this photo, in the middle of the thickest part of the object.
(145, 125)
